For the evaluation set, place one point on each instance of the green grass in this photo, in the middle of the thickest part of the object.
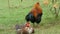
(12, 16)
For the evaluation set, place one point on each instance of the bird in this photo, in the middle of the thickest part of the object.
(34, 16)
(24, 29)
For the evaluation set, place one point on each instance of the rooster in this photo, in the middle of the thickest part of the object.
(34, 16)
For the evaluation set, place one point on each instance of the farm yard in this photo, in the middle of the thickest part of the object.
(13, 12)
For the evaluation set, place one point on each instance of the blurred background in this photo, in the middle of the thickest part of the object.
(14, 11)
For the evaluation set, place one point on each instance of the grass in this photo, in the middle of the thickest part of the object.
(12, 16)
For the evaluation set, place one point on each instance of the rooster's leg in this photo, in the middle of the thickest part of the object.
(33, 24)
(38, 26)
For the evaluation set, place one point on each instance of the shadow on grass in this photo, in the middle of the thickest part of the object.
(50, 23)
(1, 30)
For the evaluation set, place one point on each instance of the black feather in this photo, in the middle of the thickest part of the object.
(31, 18)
